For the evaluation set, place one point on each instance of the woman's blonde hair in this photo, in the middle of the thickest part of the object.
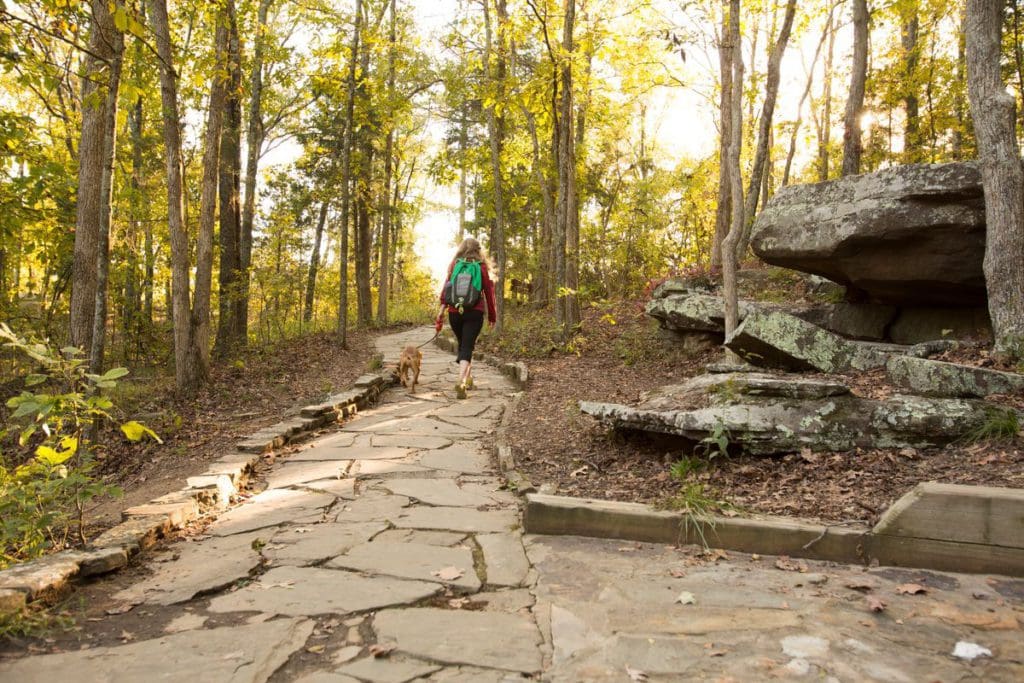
(471, 250)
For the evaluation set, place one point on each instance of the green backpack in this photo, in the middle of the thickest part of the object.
(465, 286)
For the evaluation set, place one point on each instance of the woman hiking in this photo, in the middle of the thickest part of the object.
(466, 300)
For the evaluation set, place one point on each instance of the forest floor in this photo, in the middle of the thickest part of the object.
(621, 354)
(259, 388)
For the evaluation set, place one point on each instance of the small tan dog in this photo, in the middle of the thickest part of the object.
(409, 361)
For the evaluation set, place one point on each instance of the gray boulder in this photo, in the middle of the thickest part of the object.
(937, 378)
(905, 235)
(766, 414)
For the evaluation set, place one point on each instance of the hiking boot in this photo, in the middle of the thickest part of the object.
(469, 382)
(460, 391)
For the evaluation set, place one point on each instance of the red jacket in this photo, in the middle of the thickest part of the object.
(488, 297)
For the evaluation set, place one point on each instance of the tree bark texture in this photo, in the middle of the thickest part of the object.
(346, 175)
(175, 194)
(494, 58)
(853, 146)
(731, 241)
(825, 126)
(389, 144)
(99, 328)
(314, 263)
(200, 332)
(230, 330)
(723, 211)
(91, 162)
(993, 110)
(565, 299)
(912, 145)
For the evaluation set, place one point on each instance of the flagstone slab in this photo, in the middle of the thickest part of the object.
(326, 677)
(239, 654)
(388, 670)
(293, 473)
(457, 519)
(490, 487)
(411, 561)
(272, 507)
(418, 426)
(472, 425)
(441, 538)
(417, 441)
(199, 567)
(308, 545)
(342, 488)
(465, 409)
(510, 600)
(371, 507)
(382, 468)
(504, 558)
(469, 674)
(486, 639)
(295, 591)
(442, 492)
(458, 458)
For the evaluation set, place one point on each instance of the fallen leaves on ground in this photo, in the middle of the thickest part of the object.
(381, 650)
(787, 565)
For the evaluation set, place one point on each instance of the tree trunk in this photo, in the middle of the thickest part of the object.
(133, 308)
(346, 176)
(175, 195)
(803, 98)
(565, 299)
(993, 110)
(254, 144)
(852, 144)
(230, 330)
(731, 241)
(99, 328)
(495, 69)
(765, 128)
(825, 127)
(200, 332)
(363, 243)
(91, 162)
(314, 263)
(723, 212)
(912, 147)
(389, 144)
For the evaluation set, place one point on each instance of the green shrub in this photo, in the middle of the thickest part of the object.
(44, 499)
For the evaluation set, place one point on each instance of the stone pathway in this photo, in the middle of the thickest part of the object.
(392, 537)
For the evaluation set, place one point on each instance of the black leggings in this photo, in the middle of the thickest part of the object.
(466, 327)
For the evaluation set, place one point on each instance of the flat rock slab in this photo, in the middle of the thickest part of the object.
(241, 654)
(937, 378)
(471, 425)
(441, 538)
(504, 558)
(458, 458)
(382, 468)
(298, 591)
(388, 670)
(417, 441)
(411, 561)
(457, 519)
(342, 488)
(356, 452)
(38, 576)
(271, 508)
(199, 567)
(416, 426)
(293, 473)
(486, 639)
(465, 409)
(302, 545)
(438, 492)
(371, 508)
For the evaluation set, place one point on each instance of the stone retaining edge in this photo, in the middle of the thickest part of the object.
(214, 489)
(563, 515)
(517, 371)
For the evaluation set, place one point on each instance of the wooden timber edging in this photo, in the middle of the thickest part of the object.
(213, 490)
(899, 539)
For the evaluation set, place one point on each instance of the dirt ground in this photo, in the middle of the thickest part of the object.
(623, 354)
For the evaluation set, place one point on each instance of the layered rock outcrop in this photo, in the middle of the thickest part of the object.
(908, 235)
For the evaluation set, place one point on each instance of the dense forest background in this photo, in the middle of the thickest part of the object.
(143, 221)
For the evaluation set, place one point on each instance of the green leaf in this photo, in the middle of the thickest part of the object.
(113, 373)
(135, 431)
(32, 380)
(121, 19)
(25, 408)
(26, 434)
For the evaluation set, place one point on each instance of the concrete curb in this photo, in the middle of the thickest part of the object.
(143, 525)
(562, 515)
